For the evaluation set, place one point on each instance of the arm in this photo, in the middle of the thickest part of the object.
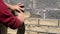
(8, 5)
(7, 18)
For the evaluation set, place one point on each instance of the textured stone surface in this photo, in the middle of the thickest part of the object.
(31, 21)
(31, 33)
(40, 29)
(53, 30)
(48, 22)
(11, 31)
(49, 26)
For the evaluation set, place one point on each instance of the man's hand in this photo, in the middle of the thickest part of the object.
(15, 7)
(21, 16)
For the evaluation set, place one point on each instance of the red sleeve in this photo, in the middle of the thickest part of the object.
(7, 18)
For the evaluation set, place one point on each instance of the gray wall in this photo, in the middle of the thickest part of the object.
(45, 8)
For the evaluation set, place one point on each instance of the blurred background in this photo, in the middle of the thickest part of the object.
(43, 16)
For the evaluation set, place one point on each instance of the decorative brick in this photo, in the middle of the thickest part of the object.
(27, 27)
(39, 29)
(48, 22)
(11, 31)
(53, 30)
(31, 21)
(58, 29)
(42, 33)
(30, 32)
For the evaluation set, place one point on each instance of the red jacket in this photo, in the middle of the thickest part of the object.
(7, 18)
